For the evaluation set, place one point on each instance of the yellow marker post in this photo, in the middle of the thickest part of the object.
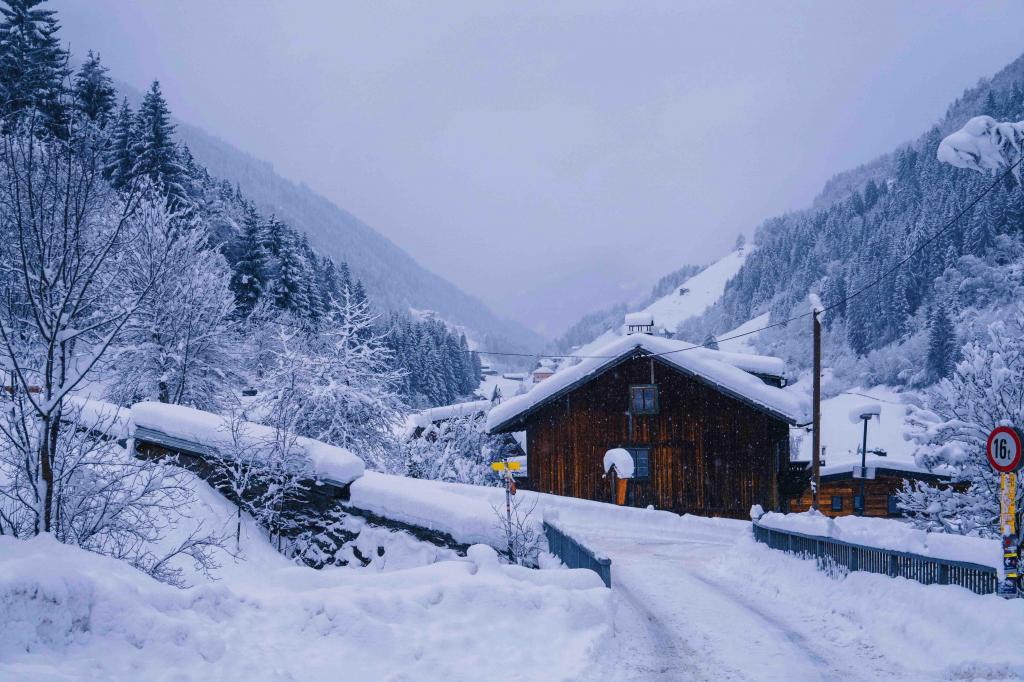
(503, 466)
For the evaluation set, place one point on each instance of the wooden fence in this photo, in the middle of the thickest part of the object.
(576, 555)
(831, 553)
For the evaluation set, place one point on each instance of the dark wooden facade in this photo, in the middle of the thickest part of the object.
(710, 453)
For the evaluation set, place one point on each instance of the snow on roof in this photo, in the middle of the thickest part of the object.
(98, 415)
(639, 319)
(876, 463)
(328, 461)
(435, 414)
(711, 367)
(544, 370)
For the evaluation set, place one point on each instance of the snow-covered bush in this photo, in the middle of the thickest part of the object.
(520, 530)
(458, 449)
(335, 383)
(986, 390)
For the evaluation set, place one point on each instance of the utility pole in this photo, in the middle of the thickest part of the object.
(816, 435)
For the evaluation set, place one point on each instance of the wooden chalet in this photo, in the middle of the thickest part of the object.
(839, 494)
(707, 436)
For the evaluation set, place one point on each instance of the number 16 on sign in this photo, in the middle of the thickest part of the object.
(1004, 450)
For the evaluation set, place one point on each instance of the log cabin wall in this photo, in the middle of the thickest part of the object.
(877, 492)
(710, 454)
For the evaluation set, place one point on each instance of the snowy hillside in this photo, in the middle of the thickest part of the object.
(702, 291)
(684, 302)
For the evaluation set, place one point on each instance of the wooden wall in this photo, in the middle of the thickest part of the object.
(876, 492)
(710, 454)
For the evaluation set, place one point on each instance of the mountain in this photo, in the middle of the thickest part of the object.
(392, 277)
(675, 299)
(854, 240)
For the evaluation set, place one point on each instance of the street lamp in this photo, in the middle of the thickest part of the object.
(865, 414)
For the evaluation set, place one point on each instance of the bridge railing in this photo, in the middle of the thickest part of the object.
(575, 554)
(830, 553)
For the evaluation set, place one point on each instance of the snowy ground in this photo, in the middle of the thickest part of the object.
(703, 601)
(71, 615)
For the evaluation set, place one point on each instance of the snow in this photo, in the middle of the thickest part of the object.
(699, 599)
(99, 415)
(427, 417)
(842, 439)
(69, 614)
(869, 410)
(890, 534)
(743, 343)
(703, 363)
(642, 319)
(983, 144)
(705, 288)
(621, 460)
(328, 461)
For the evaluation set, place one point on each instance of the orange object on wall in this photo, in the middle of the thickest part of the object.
(620, 490)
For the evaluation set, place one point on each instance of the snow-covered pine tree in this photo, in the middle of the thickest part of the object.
(943, 349)
(120, 160)
(987, 389)
(155, 152)
(95, 96)
(249, 279)
(33, 65)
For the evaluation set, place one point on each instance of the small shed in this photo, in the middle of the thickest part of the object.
(840, 487)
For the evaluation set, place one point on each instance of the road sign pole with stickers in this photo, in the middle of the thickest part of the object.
(1004, 451)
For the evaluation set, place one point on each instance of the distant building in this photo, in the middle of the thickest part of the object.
(542, 373)
(639, 323)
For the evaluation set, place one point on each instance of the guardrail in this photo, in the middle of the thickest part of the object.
(830, 553)
(576, 555)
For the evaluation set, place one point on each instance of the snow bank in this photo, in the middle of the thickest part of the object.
(329, 462)
(621, 460)
(703, 290)
(889, 534)
(69, 614)
(98, 415)
(712, 367)
(470, 519)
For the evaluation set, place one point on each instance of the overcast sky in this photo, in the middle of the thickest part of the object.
(556, 157)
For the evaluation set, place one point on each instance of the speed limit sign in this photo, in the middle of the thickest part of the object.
(1004, 449)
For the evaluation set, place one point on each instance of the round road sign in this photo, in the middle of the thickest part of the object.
(1004, 449)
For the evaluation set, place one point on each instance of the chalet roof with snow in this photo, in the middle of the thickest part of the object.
(730, 373)
(640, 319)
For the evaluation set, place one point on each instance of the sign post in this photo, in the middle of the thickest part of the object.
(506, 467)
(1005, 451)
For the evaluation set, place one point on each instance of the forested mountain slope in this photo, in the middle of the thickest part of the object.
(867, 220)
(392, 278)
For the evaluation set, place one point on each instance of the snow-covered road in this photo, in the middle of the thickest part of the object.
(687, 607)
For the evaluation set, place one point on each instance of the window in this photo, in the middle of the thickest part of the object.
(643, 399)
(892, 507)
(858, 503)
(837, 503)
(641, 462)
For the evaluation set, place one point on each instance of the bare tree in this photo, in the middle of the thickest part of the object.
(62, 229)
